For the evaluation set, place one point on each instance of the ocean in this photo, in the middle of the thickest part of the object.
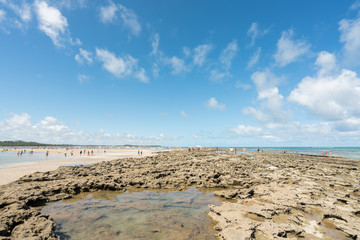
(346, 152)
(11, 157)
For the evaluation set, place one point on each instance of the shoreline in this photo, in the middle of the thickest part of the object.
(268, 195)
(13, 171)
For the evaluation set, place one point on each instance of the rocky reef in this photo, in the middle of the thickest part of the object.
(269, 195)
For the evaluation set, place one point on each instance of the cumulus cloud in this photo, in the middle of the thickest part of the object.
(128, 17)
(257, 114)
(349, 35)
(289, 50)
(121, 67)
(333, 96)
(321, 133)
(268, 93)
(200, 53)
(254, 58)
(51, 130)
(84, 57)
(254, 32)
(246, 131)
(52, 22)
(326, 62)
(212, 103)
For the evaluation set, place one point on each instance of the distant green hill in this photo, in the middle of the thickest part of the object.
(23, 144)
(29, 144)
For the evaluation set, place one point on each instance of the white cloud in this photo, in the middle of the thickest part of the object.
(141, 75)
(84, 56)
(212, 103)
(355, 5)
(108, 13)
(16, 120)
(338, 133)
(225, 61)
(194, 136)
(69, 4)
(331, 97)
(254, 32)
(242, 85)
(254, 58)
(155, 70)
(82, 78)
(257, 114)
(246, 131)
(177, 64)
(327, 62)
(23, 10)
(200, 53)
(289, 50)
(51, 22)
(155, 44)
(51, 130)
(186, 51)
(128, 17)
(121, 67)
(2, 15)
(349, 35)
(268, 93)
(218, 76)
(184, 115)
(228, 54)
(20, 8)
(130, 20)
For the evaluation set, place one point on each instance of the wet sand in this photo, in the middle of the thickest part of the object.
(268, 195)
(12, 172)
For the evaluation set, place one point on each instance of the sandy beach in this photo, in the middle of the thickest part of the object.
(265, 196)
(12, 172)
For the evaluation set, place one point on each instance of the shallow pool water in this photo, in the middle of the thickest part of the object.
(135, 215)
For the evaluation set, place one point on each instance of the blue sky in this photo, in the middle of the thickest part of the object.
(181, 73)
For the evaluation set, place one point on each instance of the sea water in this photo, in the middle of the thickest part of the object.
(135, 215)
(11, 157)
(346, 152)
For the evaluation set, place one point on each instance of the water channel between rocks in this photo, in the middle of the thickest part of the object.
(135, 215)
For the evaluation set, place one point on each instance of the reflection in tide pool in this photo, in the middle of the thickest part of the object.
(137, 215)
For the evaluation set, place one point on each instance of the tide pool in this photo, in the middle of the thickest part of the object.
(135, 215)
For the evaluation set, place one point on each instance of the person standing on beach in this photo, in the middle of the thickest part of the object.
(330, 154)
